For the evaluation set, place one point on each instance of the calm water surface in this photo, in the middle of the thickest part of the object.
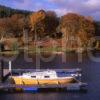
(90, 71)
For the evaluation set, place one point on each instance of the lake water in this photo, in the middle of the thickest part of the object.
(90, 71)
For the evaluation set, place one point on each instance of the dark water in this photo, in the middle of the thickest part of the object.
(90, 71)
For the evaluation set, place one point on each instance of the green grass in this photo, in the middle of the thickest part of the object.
(38, 50)
(9, 52)
(47, 50)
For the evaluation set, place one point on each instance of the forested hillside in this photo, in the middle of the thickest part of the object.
(43, 24)
(7, 11)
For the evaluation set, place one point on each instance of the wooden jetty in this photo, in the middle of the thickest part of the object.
(36, 88)
(6, 86)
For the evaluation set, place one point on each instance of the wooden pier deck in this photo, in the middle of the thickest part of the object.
(36, 88)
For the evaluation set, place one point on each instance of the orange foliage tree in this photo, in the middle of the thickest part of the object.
(43, 23)
(12, 26)
(76, 27)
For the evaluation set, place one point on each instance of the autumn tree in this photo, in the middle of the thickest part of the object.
(75, 27)
(52, 23)
(13, 26)
(16, 24)
(4, 27)
(43, 23)
(37, 23)
(86, 31)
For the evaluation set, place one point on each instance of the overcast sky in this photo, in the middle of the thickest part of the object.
(84, 7)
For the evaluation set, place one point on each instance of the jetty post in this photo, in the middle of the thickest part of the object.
(1, 63)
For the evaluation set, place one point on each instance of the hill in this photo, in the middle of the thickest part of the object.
(7, 11)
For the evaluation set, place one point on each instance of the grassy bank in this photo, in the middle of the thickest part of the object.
(37, 50)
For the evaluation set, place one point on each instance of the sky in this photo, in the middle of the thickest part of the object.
(61, 7)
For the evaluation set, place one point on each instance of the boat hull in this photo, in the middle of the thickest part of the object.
(23, 81)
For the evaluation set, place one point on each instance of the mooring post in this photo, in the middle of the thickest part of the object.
(1, 63)
(10, 66)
